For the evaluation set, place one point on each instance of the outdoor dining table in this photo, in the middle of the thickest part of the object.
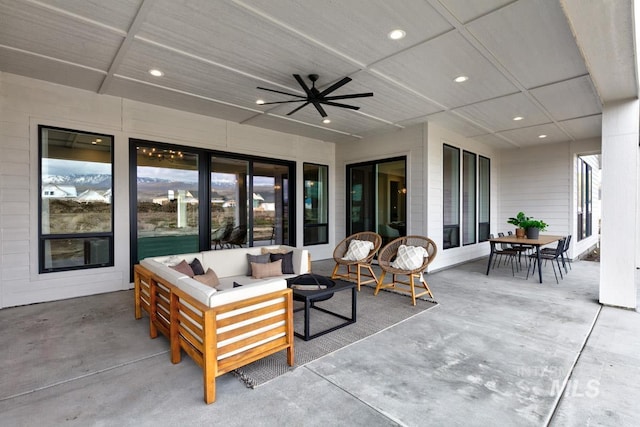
(542, 240)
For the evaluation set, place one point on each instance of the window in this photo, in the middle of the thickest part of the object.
(316, 204)
(484, 184)
(468, 198)
(75, 204)
(585, 197)
(451, 197)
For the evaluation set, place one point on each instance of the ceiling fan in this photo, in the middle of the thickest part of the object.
(317, 98)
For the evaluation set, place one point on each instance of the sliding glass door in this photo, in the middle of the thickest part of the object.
(188, 200)
(167, 190)
(376, 198)
(270, 204)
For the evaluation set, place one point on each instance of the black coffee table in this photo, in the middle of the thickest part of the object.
(313, 296)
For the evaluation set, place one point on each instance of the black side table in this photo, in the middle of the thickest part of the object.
(311, 296)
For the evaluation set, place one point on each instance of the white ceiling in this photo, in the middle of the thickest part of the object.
(521, 57)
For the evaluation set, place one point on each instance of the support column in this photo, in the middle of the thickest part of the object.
(620, 192)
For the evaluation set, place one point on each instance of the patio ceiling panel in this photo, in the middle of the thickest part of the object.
(584, 127)
(224, 33)
(27, 27)
(531, 135)
(347, 121)
(357, 29)
(37, 67)
(178, 100)
(430, 68)
(189, 75)
(532, 40)
(569, 99)
(449, 119)
(295, 127)
(466, 11)
(387, 103)
(498, 114)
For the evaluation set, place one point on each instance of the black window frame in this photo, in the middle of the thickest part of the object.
(204, 174)
(317, 225)
(469, 155)
(451, 229)
(483, 237)
(44, 238)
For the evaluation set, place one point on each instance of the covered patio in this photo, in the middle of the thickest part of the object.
(498, 350)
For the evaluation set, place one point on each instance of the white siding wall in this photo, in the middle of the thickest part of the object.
(26, 103)
(422, 144)
(407, 142)
(540, 181)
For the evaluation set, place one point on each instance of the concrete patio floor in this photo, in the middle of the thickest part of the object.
(498, 350)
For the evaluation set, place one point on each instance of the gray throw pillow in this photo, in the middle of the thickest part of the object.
(258, 259)
(287, 262)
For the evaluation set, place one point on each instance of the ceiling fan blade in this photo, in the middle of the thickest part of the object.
(300, 107)
(337, 104)
(320, 109)
(279, 91)
(335, 86)
(352, 95)
(303, 84)
(283, 102)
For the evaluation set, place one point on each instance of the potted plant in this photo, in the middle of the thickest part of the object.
(534, 227)
(518, 220)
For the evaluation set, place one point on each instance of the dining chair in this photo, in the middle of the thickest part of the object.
(565, 254)
(509, 253)
(547, 256)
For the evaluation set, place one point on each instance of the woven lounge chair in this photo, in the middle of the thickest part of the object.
(355, 267)
(388, 255)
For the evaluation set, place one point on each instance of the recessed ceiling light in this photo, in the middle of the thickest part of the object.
(260, 101)
(396, 34)
(94, 142)
(326, 121)
(156, 73)
(517, 118)
(542, 136)
(461, 79)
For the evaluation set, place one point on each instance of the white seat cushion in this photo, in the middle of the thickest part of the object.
(358, 249)
(409, 257)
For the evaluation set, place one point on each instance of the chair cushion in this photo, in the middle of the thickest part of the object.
(358, 249)
(409, 257)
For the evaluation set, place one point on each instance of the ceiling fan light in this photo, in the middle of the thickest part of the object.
(396, 34)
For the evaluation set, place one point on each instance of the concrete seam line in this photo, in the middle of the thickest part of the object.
(377, 410)
(82, 376)
(565, 382)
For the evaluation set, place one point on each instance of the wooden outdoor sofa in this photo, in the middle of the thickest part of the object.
(220, 330)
